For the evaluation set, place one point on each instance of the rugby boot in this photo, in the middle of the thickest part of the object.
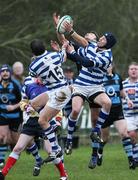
(68, 148)
(37, 168)
(53, 155)
(2, 177)
(93, 162)
(95, 136)
(132, 164)
(99, 159)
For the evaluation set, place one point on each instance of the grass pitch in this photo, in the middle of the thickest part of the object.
(115, 166)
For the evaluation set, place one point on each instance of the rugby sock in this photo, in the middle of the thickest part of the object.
(61, 169)
(71, 128)
(101, 147)
(10, 163)
(34, 151)
(101, 119)
(128, 147)
(95, 146)
(3, 150)
(135, 152)
(50, 134)
(62, 159)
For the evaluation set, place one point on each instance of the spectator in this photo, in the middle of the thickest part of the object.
(18, 71)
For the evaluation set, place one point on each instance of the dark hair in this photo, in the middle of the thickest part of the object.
(5, 67)
(37, 46)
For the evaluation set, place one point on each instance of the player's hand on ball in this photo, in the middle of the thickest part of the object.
(68, 26)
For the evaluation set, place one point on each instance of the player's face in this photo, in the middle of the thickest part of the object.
(5, 74)
(110, 70)
(18, 70)
(133, 71)
(69, 75)
(102, 41)
(90, 37)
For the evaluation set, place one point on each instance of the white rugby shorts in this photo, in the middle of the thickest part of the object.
(87, 91)
(58, 98)
(132, 122)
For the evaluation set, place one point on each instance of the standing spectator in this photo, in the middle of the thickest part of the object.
(18, 72)
(131, 114)
(10, 97)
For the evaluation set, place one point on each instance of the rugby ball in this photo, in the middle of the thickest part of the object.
(60, 25)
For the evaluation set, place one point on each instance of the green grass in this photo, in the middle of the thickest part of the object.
(115, 166)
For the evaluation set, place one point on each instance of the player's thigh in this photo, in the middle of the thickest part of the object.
(77, 103)
(121, 126)
(22, 143)
(103, 100)
(14, 137)
(48, 113)
(4, 133)
(40, 101)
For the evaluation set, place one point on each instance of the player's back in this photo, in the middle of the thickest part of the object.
(48, 67)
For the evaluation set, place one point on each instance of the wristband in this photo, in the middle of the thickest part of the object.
(71, 32)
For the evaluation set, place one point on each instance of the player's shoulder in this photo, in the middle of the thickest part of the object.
(126, 81)
(28, 80)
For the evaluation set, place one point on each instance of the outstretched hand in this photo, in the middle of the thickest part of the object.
(70, 49)
(55, 46)
(68, 27)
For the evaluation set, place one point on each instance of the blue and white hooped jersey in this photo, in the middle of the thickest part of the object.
(94, 75)
(48, 68)
(131, 90)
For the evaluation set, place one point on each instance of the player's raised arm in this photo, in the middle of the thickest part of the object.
(78, 38)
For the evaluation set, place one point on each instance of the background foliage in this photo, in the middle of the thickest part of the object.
(23, 20)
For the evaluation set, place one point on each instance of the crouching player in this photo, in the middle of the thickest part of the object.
(32, 87)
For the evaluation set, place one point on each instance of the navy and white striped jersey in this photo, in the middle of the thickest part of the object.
(48, 67)
(94, 75)
(131, 90)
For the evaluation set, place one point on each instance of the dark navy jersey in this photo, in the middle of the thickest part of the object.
(113, 86)
(9, 95)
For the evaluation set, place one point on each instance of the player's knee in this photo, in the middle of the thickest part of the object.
(133, 136)
(75, 113)
(18, 149)
(42, 120)
(34, 104)
(107, 104)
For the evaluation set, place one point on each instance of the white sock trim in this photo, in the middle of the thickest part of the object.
(14, 155)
